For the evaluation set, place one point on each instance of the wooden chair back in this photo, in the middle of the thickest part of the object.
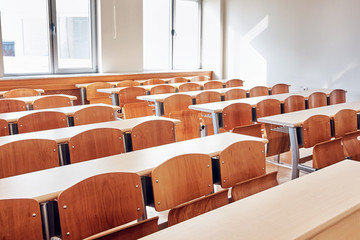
(235, 93)
(93, 96)
(178, 80)
(197, 207)
(20, 218)
(12, 105)
(154, 81)
(254, 185)
(345, 121)
(237, 114)
(188, 174)
(51, 102)
(96, 143)
(135, 110)
(190, 86)
(259, 91)
(279, 142)
(268, 107)
(28, 155)
(279, 88)
(20, 92)
(234, 83)
(328, 153)
(4, 127)
(39, 121)
(127, 83)
(94, 114)
(241, 161)
(199, 79)
(351, 145)
(316, 129)
(129, 94)
(213, 85)
(208, 97)
(250, 130)
(176, 102)
(189, 127)
(152, 133)
(294, 103)
(99, 203)
(317, 99)
(161, 89)
(337, 96)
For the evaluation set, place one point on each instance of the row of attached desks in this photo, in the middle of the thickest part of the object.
(29, 101)
(321, 205)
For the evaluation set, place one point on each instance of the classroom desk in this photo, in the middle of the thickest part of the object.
(217, 107)
(294, 120)
(321, 205)
(40, 91)
(29, 101)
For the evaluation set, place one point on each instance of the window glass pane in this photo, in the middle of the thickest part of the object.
(25, 36)
(156, 36)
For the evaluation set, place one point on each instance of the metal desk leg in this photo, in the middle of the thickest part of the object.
(82, 95)
(158, 108)
(45, 220)
(295, 152)
(215, 119)
(115, 99)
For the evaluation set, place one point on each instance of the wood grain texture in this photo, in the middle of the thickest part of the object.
(179, 80)
(254, 185)
(189, 127)
(128, 95)
(28, 155)
(250, 130)
(237, 114)
(181, 179)
(213, 85)
(11, 105)
(241, 161)
(235, 94)
(162, 89)
(279, 142)
(99, 203)
(207, 97)
(154, 81)
(41, 121)
(20, 92)
(177, 102)
(317, 99)
(234, 83)
(135, 110)
(94, 114)
(200, 78)
(328, 153)
(337, 96)
(20, 218)
(294, 103)
(92, 93)
(197, 207)
(268, 107)
(128, 83)
(96, 143)
(279, 88)
(351, 145)
(259, 91)
(51, 102)
(4, 127)
(345, 121)
(71, 92)
(190, 86)
(316, 129)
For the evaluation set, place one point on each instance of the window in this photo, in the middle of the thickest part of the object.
(48, 36)
(171, 34)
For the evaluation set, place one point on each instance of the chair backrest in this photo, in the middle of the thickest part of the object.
(94, 114)
(259, 91)
(12, 105)
(20, 218)
(135, 110)
(92, 93)
(199, 78)
(39, 121)
(241, 161)
(254, 185)
(337, 96)
(177, 102)
(250, 130)
(99, 203)
(294, 103)
(127, 83)
(197, 207)
(96, 143)
(328, 153)
(152, 133)
(279, 88)
(317, 99)
(316, 129)
(51, 102)
(235, 93)
(28, 155)
(129, 94)
(213, 85)
(162, 89)
(154, 81)
(237, 114)
(268, 107)
(181, 179)
(279, 142)
(345, 121)
(4, 127)
(20, 92)
(190, 86)
(351, 145)
(208, 97)
(234, 83)
(189, 127)
(178, 80)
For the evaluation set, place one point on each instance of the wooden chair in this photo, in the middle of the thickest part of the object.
(241, 161)
(213, 85)
(316, 129)
(234, 83)
(250, 130)
(135, 110)
(4, 127)
(197, 207)
(181, 179)
(20, 218)
(235, 94)
(51, 102)
(254, 185)
(152, 133)
(268, 107)
(190, 86)
(99, 203)
(127, 83)
(199, 79)
(345, 121)
(317, 99)
(259, 91)
(327, 153)
(129, 94)
(178, 80)
(237, 114)
(351, 145)
(207, 97)
(176, 102)
(39, 121)
(294, 103)
(12, 105)
(94, 114)
(279, 142)
(154, 81)
(279, 88)
(161, 89)
(28, 155)
(96, 143)
(20, 92)
(93, 96)
(189, 127)
(337, 96)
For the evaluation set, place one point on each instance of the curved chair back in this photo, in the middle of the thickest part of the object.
(129, 94)
(199, 78)
(176, 102)
(190, 86)
(12, 105)
(268, 107)
(154, 81)
(39, 121)
(280, 88)
(207, 97)
(93, 96)
(237, 114)
(345, 121)
(94, 114)
(259, 91)
(294, 103)
(20, 92)
(178, 80)
(351, 144)
(4, 127)
(234, 83)
(317, 99)
(235, 93)
(135, 110)
(328, 153)
(51, 102)
(213, 84)
(337, 96)
(161, 89)
(316, 129)
(189, 127)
